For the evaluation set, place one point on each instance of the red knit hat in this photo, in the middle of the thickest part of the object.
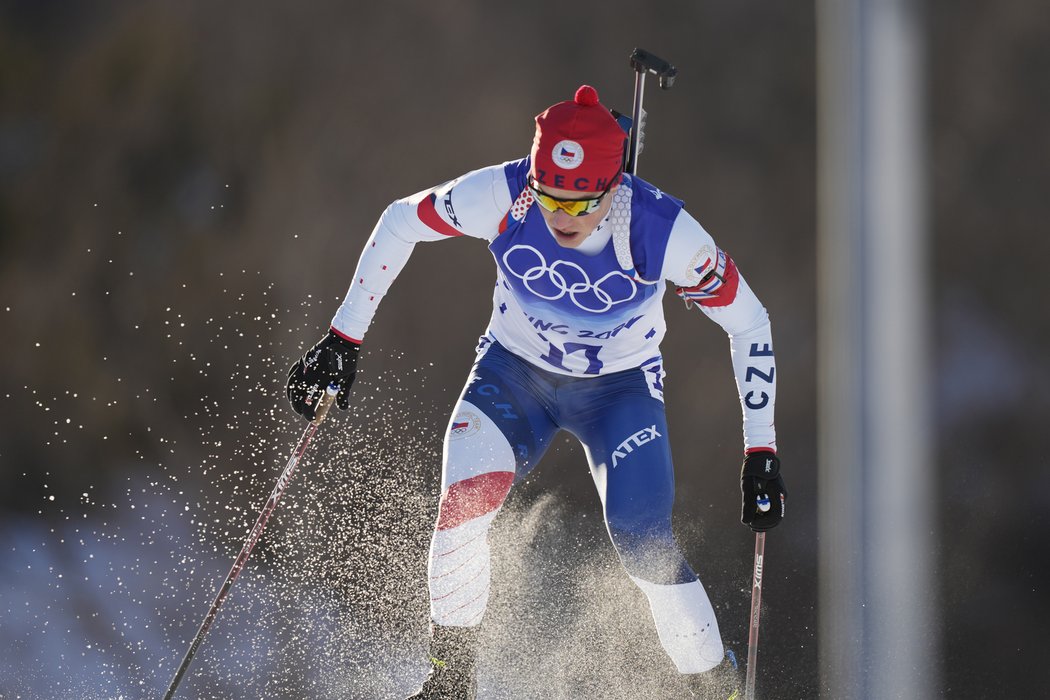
(578, 145)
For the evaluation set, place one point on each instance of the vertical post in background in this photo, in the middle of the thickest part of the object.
(877, 501)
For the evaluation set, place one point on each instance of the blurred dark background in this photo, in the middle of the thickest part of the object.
(184, 191)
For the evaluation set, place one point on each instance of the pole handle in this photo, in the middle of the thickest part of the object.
(327, 399)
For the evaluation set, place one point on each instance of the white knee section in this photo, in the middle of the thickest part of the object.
(686, 624)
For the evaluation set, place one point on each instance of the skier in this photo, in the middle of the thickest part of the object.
(582, 250)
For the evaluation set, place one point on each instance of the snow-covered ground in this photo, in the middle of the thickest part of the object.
(331, 605)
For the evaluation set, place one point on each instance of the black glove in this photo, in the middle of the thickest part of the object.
(332, 361)
(763, 491)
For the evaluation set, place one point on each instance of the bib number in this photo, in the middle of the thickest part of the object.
(556, 356)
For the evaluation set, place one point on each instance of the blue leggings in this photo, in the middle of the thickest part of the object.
(509, 412)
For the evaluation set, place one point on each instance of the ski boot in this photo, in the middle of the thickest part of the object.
(453, 653)
(723, 682)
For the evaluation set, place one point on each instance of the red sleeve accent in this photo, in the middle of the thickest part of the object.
(753, 450)
(344, 336)
(429, 216)
(506, 220)
(725, 294)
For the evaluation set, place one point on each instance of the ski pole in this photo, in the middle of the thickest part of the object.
(643, 63)
(282, 483)
(756, 607)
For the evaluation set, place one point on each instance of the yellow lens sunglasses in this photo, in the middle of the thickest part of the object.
(572, 207)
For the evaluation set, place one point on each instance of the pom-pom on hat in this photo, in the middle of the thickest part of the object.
(578, 145)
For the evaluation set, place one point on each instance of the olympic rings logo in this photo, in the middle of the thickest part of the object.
(560, 278)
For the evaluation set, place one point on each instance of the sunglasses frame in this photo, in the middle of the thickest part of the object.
(592, 203)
